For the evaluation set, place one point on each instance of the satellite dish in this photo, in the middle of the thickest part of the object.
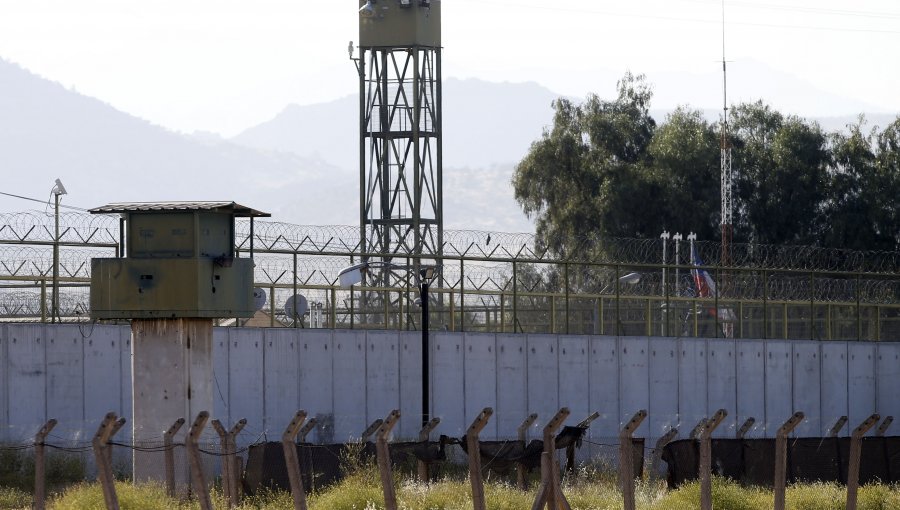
(259, 298)
(296, 306)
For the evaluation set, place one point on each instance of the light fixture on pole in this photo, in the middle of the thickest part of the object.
(353, 275)
(368, 10)
(57, 191)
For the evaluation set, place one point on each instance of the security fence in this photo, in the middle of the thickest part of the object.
(495, 282)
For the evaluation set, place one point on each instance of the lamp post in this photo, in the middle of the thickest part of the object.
(353, 275)
(58, 189)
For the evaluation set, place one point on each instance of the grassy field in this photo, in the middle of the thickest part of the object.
(361, 491)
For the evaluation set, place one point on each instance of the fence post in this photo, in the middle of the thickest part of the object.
(745, 428)
(626, 458)
(884, 426)
(193, 451)
(114, 429)
(229, 471)
(370, 430)
(103, 467)
(169, 454)
(522, 432)
(855, 454)
(291, 462)
(233, 460)
(706, 458)
(781, 457)
(306, 429)
(698, 429)
(570, 449)
(384, 460)
(549, 493)
(838, 425)
(472, 445)
(40, 488)
(421, 466)
(658, 451)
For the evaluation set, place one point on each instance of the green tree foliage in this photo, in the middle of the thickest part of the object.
(605, 168)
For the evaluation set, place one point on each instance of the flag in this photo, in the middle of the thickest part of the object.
(703, 282)
(706, 288)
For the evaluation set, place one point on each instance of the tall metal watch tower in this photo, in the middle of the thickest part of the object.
(399, 64)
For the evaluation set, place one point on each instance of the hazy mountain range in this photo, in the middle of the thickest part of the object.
(302, 166)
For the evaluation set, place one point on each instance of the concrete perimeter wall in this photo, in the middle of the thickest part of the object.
(349, 378)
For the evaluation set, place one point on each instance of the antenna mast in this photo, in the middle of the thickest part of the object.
(726, 171)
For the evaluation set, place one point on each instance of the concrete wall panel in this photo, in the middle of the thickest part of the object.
(4, 383)
(692, 382)
(349, 383)
(888, 383)
(663, 411)
(779, 376)
(246, 384)
(751, 385)
(221, 372)
(449, 384)
(721, 389)
(634, 387)
(574, 377)
(481, 379)
(808, 387)
(65, 371)
(27, 381)
(604, 386)
(125, 377)
(512, 399)
(543, 375)
(411, 384)
(282, 390)
(102, 376)
(861, 382)
(316, 353)
(834, 384)
(382, 374)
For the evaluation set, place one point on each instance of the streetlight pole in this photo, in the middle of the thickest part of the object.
(353, 275)
(57, 190)
(423, 289)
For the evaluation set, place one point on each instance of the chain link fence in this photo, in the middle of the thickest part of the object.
(497, 282)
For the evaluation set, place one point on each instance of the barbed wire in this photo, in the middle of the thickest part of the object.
(476, 264)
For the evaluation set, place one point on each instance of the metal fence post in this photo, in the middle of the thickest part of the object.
(748, 424)
(170, 456)
(292, 463)
(884, 426)
(550, 492)
(855, 454)
(706, 458)
(104, 470)
(521, 434)
(781, 457)
(422, 466)
(40, 488)
(193, 451)
(626, 459)
(838, 425)
(384, 460)
(661, 443)
(472, 444)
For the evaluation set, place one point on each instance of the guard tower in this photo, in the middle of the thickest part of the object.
(179, 272)
(401, 196)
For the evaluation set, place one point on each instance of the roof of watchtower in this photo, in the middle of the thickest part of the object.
(234, 208)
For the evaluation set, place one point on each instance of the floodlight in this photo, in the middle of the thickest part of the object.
(350, 49)
(368, 10)
(630, 278)
(352, 275)
(59, 189)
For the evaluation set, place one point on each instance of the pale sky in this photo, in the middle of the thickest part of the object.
(225, 65)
